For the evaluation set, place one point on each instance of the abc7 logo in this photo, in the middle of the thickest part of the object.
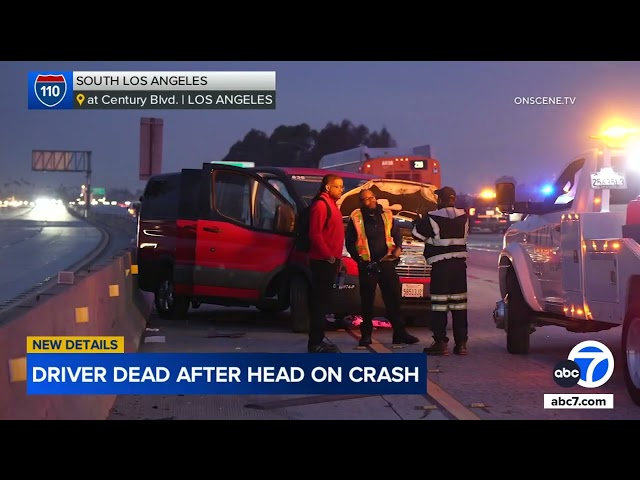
(589, 364)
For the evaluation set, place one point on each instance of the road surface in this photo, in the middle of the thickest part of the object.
(38, 242)
(488, 384)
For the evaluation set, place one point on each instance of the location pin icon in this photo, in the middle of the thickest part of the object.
(80, 97)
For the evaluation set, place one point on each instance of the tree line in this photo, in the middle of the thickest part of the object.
(302, 146)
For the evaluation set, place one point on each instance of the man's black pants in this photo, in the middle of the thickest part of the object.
(323, 276)
(391, 291)
(449, 293)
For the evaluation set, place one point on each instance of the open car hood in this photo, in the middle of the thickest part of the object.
(405, 198)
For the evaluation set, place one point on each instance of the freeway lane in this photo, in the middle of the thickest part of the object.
(490, 383)
(512, 386)
(485, 242)
(36, 243)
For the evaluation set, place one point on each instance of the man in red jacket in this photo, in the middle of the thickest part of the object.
(326, 235)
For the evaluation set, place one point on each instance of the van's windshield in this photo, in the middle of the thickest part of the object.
(308, 186)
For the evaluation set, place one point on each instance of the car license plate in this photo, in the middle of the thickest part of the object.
(413, 290)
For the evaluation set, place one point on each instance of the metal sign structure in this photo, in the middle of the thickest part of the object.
(151, 143)
(65, 161)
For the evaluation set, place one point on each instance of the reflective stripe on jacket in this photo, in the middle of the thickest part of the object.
(444, 232)
(361, 243)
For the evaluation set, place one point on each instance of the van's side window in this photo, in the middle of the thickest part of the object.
(232, 196)
(266, 204)
(281, 187)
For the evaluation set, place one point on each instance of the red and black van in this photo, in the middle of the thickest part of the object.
(224, 235)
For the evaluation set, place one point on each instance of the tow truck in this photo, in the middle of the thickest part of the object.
(574, 258)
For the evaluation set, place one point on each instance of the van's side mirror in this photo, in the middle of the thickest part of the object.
(285, 219)
(506, 197)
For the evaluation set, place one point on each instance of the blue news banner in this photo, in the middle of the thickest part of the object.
(225, 374)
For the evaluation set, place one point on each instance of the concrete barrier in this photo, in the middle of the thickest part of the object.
(102, 302)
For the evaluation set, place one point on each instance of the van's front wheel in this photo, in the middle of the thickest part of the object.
(169, 305)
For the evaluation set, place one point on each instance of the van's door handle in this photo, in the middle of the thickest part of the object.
(212, 229)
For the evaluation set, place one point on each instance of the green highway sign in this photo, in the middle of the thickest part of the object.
(98, 191)
(236, 164)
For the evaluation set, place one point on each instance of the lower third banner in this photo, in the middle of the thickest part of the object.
(225, 374)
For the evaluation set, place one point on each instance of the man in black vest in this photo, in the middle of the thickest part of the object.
(445, 232)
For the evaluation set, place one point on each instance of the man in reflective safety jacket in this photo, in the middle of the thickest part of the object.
(445, 232)
(371, 236)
